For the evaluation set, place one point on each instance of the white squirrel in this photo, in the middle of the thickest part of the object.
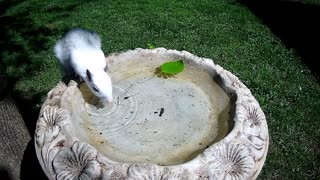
(79, 51)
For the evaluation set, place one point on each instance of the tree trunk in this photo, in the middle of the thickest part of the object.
(14, 135)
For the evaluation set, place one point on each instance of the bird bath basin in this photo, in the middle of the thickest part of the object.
(201, 123)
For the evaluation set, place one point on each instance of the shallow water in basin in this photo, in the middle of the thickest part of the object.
(156, 120)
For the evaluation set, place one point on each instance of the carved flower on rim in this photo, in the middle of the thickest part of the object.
(230, 161)
(57, 90)
(48, 125)
(253, 120)
(235, 82)
(144, 172)
(77, 162)
(54, 96)
(183, 173)
(255, 130)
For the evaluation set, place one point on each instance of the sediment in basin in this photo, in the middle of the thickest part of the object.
(156, 120)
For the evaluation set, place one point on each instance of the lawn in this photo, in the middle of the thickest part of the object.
(222, 30)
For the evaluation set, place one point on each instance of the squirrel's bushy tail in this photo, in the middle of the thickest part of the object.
(62, 52)
(73, 41)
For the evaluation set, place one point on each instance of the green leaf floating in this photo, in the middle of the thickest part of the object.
(173, 67)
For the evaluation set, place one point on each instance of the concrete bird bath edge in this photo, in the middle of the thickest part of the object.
(203, 123)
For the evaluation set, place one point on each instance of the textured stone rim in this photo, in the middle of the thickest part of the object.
(240, 155)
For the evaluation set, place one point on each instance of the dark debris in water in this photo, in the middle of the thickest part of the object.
(161, 112)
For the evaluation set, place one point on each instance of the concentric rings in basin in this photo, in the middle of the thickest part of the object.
(164, 121)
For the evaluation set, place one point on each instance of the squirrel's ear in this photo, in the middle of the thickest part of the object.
(89, 75)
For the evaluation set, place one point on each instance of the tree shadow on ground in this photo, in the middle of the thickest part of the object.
(295, 23)
(30, 166)
(21, 41)
(19, 55)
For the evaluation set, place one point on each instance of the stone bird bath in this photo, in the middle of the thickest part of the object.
(200, 124)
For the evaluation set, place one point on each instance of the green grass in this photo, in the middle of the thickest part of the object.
(314, 2)
(222, 30)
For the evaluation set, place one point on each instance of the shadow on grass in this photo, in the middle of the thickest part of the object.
(17, 55)
(22, 40)
(296, 24)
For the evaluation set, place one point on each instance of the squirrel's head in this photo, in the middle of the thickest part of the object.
(100, 84)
